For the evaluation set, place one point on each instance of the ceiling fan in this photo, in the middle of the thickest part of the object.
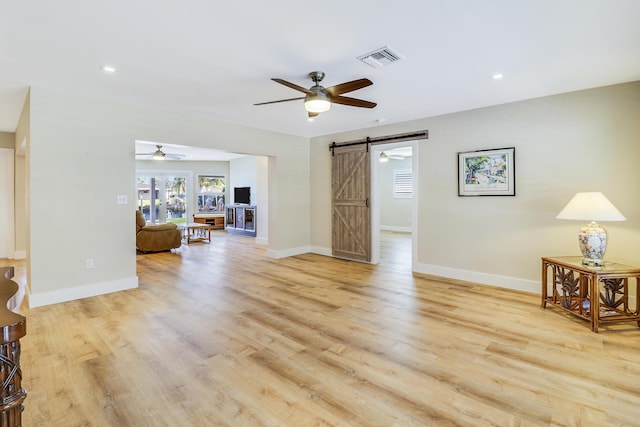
(394, 154)
(161, 155)
(384, 157)
(318, 99)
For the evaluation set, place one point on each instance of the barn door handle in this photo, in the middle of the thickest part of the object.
(366, 202)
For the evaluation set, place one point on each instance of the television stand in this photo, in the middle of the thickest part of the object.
(215, 220)
(241, 219)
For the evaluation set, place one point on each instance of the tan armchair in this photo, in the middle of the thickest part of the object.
(156, 238)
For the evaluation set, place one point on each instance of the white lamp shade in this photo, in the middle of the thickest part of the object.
(591, 206)
(317, 101)
(317, 106)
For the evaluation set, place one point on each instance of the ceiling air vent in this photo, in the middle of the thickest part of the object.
(380, 57)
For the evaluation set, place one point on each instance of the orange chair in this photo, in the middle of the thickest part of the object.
(156, 238)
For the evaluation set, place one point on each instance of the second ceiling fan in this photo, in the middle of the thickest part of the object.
(318, 99)
(161, 155)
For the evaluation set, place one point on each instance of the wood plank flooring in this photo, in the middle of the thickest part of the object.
(221, 335)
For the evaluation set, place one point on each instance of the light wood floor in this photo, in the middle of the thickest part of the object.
(221, 335)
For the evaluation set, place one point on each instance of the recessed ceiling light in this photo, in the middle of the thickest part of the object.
(497, 76)
(108, 68)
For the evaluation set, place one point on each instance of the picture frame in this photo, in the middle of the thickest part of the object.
(488, 172)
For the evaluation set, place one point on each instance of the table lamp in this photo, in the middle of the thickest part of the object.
(592, 238)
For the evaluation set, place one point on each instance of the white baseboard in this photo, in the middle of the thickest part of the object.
(321, 250)
(70, 294)
(396, 229)
(262, 241)
(514, 283)
(288, 252)
(299, 251)
(532, 286)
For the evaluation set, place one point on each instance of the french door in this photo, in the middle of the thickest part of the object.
(162, 197)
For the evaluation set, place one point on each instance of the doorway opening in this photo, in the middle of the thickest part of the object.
(394, 203)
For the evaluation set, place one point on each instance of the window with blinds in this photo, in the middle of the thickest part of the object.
(402, 184)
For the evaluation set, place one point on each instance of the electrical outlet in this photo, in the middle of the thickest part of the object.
(89, 263)
(121, 199)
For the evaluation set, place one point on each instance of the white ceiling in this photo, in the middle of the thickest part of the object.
(145, 150)
(215, 59)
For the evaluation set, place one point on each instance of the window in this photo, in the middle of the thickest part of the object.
(211, 193)
(402, 184)
(162, 196)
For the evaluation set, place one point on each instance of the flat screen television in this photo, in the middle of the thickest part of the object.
(242, 195)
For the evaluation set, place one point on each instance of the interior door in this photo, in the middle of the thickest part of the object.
(351, 228)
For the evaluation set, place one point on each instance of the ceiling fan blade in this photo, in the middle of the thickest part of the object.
(348, 86)
(166, 155)
(293, 86)
(161, 154)
(353, 102)
(280, 100)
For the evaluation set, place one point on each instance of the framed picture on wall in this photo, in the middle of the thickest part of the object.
(487, 172)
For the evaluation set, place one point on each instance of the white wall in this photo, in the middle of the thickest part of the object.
(243, 174)
(253, 172)
(22, 184)
(580, 141)
(262, 201)
(81, 156)
(395, 214)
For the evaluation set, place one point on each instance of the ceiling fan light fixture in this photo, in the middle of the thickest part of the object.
(317, 105)
(318, 102)
(158, 155)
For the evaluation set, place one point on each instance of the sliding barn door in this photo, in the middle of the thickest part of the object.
(351, 237)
